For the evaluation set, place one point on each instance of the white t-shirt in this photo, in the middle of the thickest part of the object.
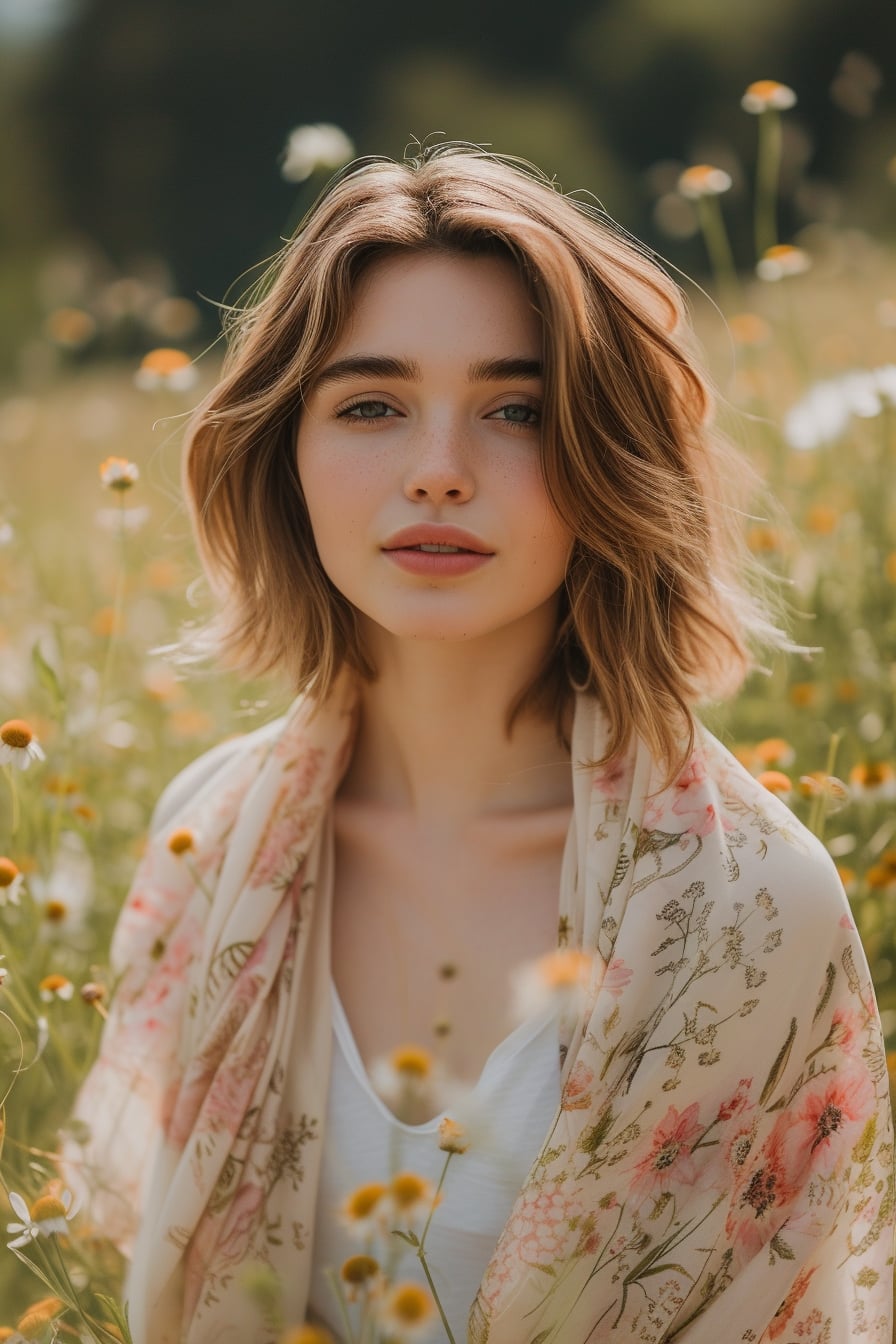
(515, 1101)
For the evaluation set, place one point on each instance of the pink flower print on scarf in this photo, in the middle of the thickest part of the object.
(576, 1093)
(291, 824)
(827, 1119)
(763, 1195)
(539, 1232)
(784, 1314)
(220, 1242)
(690, 802)
(668, 1161)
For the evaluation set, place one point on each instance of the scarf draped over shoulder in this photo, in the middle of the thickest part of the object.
(721, 1163)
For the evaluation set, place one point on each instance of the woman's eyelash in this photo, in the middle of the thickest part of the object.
(345, 412)
(519, 406)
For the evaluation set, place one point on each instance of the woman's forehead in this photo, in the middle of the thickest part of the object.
(420, 300)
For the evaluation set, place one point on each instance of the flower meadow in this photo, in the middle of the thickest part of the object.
(98, 580)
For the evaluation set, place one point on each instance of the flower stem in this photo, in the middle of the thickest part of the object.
(14, 793)
(117, 602)
(718, 247)
(818, 817)
(768, 167)
(421, 1251)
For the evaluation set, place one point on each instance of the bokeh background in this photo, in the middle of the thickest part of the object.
(145, 176)
(149, 133)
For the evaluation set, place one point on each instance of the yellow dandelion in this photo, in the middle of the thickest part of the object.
(181, 841)
(166, 367)
(873, 780)
(39, 1314)
(453, 1137)
(55, 986)
(774, 752)
(781, 261)
(702, 179)
(117, 473)
(778, 783)
(749, 329)
(18, 745)
(767, 95)
(406, 1312)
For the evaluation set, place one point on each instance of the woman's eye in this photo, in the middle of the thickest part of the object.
(366, 410)
(517, 413)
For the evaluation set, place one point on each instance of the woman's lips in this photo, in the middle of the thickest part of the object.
(436, 564)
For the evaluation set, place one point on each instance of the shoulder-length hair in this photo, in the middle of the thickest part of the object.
(658, 612)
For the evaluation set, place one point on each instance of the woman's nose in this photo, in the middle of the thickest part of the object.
(440, 467)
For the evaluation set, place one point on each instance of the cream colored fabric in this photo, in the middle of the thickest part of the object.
(720, 1167)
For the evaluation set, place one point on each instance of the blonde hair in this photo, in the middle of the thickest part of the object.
(659, 610)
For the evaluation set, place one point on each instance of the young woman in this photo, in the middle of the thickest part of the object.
(460, 484)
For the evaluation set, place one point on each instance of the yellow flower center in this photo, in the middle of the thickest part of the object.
(55, 911)
(359, 1268)
(565, 969)
(452, 1137)
(8, 872)
(16, 733)
(181, 841)
(412, 1060)
(407, 1189)
(411, 1304)
(52, 984)
(39, 1315)
(306, 1334)
(165, 361)
(362, 1202)
(47, 1207)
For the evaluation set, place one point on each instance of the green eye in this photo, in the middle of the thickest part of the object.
(518, 413)
(366, 410)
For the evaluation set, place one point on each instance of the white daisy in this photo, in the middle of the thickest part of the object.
(18, 745)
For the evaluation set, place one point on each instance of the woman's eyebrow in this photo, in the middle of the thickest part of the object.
(385, 366)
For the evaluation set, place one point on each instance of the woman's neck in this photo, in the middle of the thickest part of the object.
(431, 737)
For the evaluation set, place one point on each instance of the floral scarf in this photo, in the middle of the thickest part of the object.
(721, 1164)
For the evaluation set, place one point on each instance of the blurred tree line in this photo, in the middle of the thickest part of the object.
(154, 129)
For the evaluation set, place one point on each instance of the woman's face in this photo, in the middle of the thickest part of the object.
(427, 417)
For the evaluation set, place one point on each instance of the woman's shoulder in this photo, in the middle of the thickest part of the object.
(757, 823)
(213, 767)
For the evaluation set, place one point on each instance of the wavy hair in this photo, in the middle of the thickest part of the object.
(660, 610)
